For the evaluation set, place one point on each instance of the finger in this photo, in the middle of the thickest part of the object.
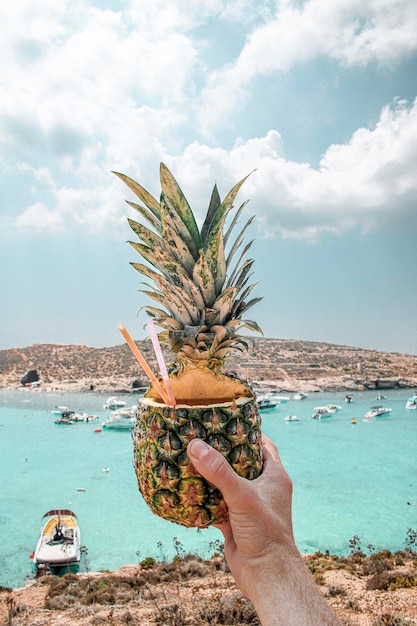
(212, 465)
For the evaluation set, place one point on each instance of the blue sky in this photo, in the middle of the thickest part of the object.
(319, 97)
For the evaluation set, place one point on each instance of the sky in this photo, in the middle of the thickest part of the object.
(317, 99)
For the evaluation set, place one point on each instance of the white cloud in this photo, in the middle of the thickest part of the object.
(39, 217)
(367, 183)
(85, 91)
(354, 32)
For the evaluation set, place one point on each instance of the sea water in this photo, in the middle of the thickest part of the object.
(349, 479)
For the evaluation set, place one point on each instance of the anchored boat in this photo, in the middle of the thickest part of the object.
(59, 542)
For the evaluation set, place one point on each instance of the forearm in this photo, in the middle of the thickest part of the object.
(288, 596)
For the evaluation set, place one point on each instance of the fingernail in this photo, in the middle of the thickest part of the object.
(198, 449)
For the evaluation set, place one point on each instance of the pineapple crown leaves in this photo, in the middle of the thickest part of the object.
(190, 267)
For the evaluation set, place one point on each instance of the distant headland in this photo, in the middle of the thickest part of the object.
(276, 364)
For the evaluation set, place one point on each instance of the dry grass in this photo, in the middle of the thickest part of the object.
(375, 590)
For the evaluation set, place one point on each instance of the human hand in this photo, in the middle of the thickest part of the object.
(259, 510)
(259, 542)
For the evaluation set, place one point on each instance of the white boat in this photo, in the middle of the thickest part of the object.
(300, 395)
(292, 418)
(113, 404)
(376, 411)
(75, 418)
(412, 402)
(325, 411)
(334, 407)
(59, 542)
(267, 403)
(123, 419)
(321, 412)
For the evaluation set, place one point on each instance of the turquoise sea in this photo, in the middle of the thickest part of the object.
(348, 479)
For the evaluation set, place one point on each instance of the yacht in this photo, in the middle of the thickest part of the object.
(113, 404)
(376, 411)
(123, 419)
(267, 403)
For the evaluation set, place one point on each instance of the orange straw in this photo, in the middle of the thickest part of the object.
(162, 365)
(139, 356)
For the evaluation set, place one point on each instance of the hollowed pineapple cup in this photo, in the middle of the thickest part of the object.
(167, 479)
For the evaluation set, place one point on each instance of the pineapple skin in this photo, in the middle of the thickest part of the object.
(167, 479)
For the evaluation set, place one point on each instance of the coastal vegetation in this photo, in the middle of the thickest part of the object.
(363, 587)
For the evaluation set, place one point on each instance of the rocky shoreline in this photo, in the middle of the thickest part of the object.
(275, 364)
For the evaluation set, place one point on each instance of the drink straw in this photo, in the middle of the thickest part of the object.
(161, 362)
(139, 356)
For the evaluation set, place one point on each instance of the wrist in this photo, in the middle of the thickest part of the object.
(285, 593)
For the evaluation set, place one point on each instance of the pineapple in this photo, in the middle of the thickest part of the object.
(200, 302)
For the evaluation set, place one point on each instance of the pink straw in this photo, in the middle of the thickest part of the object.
(139, 356)
(161, 362)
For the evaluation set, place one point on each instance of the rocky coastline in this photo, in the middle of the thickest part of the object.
(274, 364)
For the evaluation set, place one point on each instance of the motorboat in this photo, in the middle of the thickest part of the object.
(324, 411)
(412, 402)
(113, 404)
(292, 418)
(123, 419)
(267, 403)
(70, 417)
(321, 412)
(300, 395)
(376, 411)
(59, 543)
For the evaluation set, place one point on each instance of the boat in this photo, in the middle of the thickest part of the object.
(320, 412)
(412, 402)
(113, 404)
(325, 411)
(123, 419)
(376, 411)
(334, 407)
(59, 543)
(70, 417)
(267, 403)
(300, 395)
(348, 398)
(292, 418)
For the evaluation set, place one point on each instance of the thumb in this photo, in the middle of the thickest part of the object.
(212, 465)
